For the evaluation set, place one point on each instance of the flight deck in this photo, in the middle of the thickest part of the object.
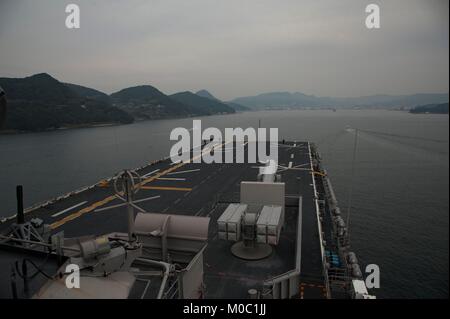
(298, 265)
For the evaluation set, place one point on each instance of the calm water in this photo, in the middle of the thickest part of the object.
(400, 207)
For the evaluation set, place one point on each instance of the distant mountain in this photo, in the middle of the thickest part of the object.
(207, 94)
(147, 102)
(235, 106)
(38, 87)
(140, 93)
(238, 107)
(278, 99)
(202, 105)
(431, 108)
(41, 102)
(300, 100)
(392, 101)
(89, 93)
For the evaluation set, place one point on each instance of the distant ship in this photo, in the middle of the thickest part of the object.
(349, 129)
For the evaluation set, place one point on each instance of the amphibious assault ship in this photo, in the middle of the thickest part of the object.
(187, 230)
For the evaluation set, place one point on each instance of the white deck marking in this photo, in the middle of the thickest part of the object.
(123, 204)
(68, 209)
(148, 174)
(199, 211)
(290, 165)
(292, 155)
(146, 199)
(296, 166)
(210, 212)
(181, 172)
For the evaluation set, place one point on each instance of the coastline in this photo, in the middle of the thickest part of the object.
(63, 128)
(104, 124)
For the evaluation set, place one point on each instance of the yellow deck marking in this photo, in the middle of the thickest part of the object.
(154, 177)
(112, 197)
(83, 211)
(108, 199)
(164, 188)
(103, 183)
(319, 173)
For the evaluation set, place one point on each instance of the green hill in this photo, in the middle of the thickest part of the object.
(89, 93)
(237, 107)
(38, 87)
(147, 102)
(207, 94)
(202, 105)
(41, 102)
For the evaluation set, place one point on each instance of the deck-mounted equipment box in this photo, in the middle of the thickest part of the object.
(229, 223)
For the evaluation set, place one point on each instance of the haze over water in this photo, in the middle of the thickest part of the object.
(399, 217)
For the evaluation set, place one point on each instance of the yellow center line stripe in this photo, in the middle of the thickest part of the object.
(167, 188)
(112, 197)
(109, 199)
(83, 211)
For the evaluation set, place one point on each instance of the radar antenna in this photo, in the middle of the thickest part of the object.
(127, 184)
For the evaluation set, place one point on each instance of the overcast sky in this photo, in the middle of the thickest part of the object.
(232, 47)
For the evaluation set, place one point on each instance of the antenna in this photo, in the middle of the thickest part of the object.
(24, 231)
(126, 187)
(20, 214)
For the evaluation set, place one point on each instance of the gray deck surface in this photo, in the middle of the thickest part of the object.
(206, 191)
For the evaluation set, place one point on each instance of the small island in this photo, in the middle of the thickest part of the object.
(441, 108)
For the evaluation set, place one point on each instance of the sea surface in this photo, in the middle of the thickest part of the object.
(399, 210)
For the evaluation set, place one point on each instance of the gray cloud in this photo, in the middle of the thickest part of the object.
(231, 47)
